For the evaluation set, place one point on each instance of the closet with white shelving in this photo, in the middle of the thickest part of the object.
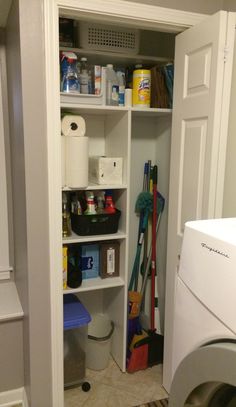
(138, 135)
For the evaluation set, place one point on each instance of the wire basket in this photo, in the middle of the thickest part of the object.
(108, 38)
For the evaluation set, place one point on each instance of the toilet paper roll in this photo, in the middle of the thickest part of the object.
(63, 162)
(76, 162)
(73, 125)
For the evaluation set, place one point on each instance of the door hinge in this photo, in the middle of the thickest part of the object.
(226, 53)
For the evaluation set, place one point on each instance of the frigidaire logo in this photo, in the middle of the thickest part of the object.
(211, 249)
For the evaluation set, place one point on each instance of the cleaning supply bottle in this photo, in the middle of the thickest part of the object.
(70, 81)
(90, 203)
(100, 202)
(76, 206)
(112, 87)
(84, 76)
(109, 205)
(66, 224)
(121, 82)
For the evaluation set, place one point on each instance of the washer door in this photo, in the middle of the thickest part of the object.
(206, 378)
(224, 396)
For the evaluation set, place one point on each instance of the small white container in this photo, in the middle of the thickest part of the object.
(99, 342)
(105, 170)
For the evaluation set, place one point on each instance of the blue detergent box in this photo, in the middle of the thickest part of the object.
(89, 260)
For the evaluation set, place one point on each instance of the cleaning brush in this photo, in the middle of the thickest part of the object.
(144, 202)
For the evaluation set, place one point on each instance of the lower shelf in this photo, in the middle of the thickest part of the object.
(96, 284)
(82, 239)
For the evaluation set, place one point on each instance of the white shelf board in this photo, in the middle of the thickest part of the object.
(10, 306)
(150, 111)
(101, 109)
(105, 57)
(92, 109)
(96, 284)
(97, 187)
(94, 238)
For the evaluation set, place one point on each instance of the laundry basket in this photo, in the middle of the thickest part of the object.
(99, 342)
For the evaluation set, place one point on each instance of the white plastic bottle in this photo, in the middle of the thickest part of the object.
(112, 87)
(84, 76)
(121, 82)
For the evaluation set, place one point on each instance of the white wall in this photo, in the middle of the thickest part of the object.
(28, 139)
(199, 6)
(230, 5)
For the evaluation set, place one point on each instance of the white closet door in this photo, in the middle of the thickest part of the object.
(197, 140)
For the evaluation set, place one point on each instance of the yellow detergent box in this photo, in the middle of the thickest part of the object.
(64, 266)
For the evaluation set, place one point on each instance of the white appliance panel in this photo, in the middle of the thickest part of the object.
(208, 268)
(194, 325)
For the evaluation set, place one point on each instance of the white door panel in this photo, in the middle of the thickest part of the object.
(197, 140)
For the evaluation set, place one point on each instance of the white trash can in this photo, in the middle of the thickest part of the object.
(100, 332)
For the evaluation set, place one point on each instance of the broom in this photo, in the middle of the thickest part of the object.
(144, 207)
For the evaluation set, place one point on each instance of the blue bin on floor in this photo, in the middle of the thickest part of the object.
(76, 319)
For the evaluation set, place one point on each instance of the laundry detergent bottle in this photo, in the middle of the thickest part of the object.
(112, 87)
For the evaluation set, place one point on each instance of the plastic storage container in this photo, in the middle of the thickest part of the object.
(76, 319)
(141, 88)
(85, 225)
(99, 342)
(108, 38)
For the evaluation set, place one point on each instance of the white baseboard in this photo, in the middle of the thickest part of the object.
(24, 399)
(8, 398)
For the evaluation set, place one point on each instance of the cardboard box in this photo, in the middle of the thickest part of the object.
(66, 32)
(97, 79)
(105, 170)
(109, 259)
(64, 266)
(89, 260)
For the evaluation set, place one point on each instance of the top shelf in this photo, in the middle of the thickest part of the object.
(103, 57)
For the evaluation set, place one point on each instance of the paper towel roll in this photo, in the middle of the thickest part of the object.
(63, 162)
(76, 162)
(73, 125)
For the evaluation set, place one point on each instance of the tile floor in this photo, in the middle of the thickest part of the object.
(112, 388)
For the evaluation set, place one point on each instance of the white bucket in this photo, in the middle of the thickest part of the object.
(100, 331)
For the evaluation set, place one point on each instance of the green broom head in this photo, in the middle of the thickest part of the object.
(144, 202)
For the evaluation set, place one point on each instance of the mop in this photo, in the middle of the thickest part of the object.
(153, 344)
(144, 207)
(147, 348)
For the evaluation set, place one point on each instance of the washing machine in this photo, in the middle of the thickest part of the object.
(204, 335)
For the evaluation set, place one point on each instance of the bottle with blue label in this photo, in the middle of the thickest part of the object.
(112, 87)
(70, 80)
(121, 81)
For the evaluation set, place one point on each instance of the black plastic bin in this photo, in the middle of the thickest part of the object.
(76, 319)
(100, 224)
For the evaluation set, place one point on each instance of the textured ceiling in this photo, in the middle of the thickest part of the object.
(4, 9)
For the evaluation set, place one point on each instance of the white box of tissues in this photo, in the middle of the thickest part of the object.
(105, 170)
